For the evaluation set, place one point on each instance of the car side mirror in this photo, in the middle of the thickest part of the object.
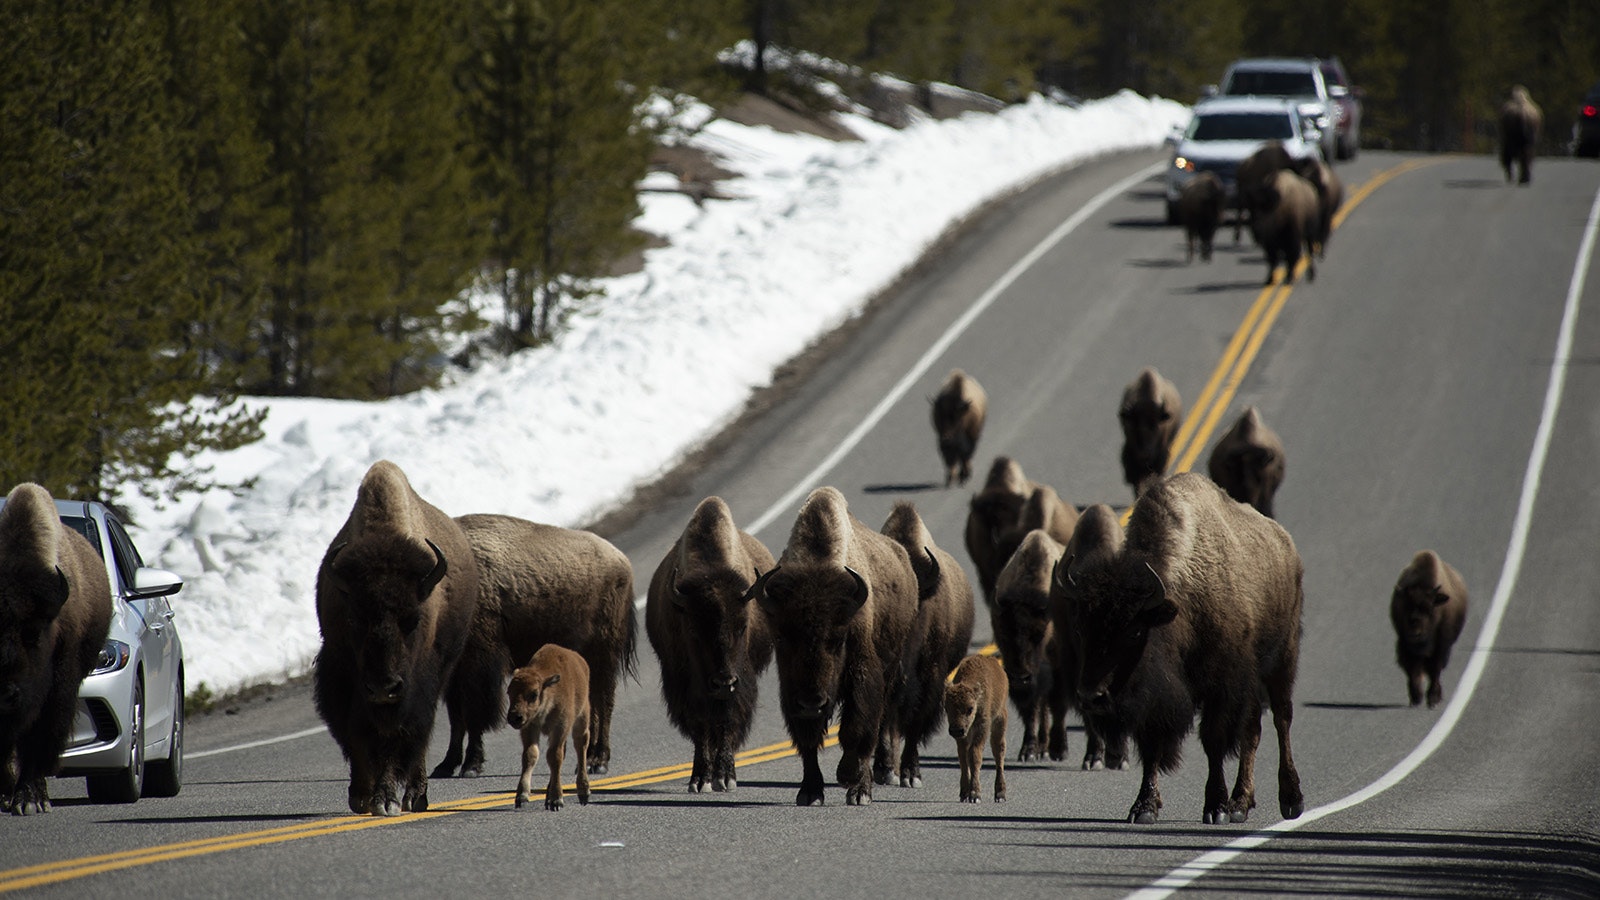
(1338, 91)
(1208, 91)
(148, 582)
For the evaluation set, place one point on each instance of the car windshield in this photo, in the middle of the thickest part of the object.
(1273, 84)
(1241, 127)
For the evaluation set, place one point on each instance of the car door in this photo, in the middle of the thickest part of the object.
(158, 644)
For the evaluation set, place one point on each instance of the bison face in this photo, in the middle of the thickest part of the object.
(529, 698)
(1022, 624)
(1110, 612)
(29, 604)
(385, 589)
(715, 606)
(1147, 428)
(999, 515)
(1415, 612)
(960, 708)
(812, 612)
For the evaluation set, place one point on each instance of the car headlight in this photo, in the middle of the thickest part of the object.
(1186, 165)
(113, 656)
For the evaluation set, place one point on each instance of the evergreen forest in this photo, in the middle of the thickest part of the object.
(205, 199)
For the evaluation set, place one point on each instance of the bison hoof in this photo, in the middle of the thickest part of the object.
(553, 803)
(598, 768)
(697, 785)
(1000, 798)
(521, 799)
(723, 785)
(445, 769)
(808, 798)
(971, 798)
(1215, 816)
(1292, 810)
(857, 796)
(1143, 815)
(1239, 815)
(1093, 763)
(388, 808)
(911, 781)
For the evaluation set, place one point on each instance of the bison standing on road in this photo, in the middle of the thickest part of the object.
(1253, 176)
(539, 584)
(1200, 612)
(1020, 623)
(1248, 462)
(1097, 538)
(55, 610)
(1520, 123)
(396, 593)
(959, 410)
(1200, 207)
(1428, 609)
(1000, 515)
(1151, 414)
(1330, 196)
(549, 698)
(1285, 217)
(712, 640)
(841, 602)
(975, 705)
(938, 641)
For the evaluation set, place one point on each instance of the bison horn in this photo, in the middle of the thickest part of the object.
(860, 596)
(678, 598)
(931, 583)
(1153, 589)
(758, 588)
(51, 607)
(437, 573)
(1064, 572)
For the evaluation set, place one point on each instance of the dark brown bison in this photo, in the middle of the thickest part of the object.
(549, 698)
(396, 593)
(1248, 462)
(938, 641)
(1428, 609)
(55, 610)
(1200, 207)
(1200, 612)
(1330, 196)
(1253, 176)
(1284, 218)
(712, 640)
(539, 584)
(975, 705)
(959, 410)
(1022, 630)
(1520, 123)
(1151, 414)
(1008, 507)
(1098, 537)
(841, 602)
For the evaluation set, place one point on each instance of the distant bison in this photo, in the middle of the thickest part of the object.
(1008, 507)
(55, 610)
(396, 593)
(1428, 609)
(975, 705)
(1200, 612)
(711, 638)
(1520, 123)
(1248, 462)
(938, 640)
(1285, 217)
(1330, 196)
(1200, 207)
(1254, 175)
(539, 584)
(549, 698)
(842, 602)
(1151, 414)
(959, 410)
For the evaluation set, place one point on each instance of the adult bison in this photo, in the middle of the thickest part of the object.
(1248, 462)
(1199, 611)
(959, 410)
(396, 593)
(938, 641)
(1330, 196)
(1254, 175)
(55, 610)
(712, 640)
(1022, 630)
(1000, 515)
(1428, 609)
(1520, 123)
(841, 601)
(1098, 537)
(539, 584)
(1151, 414)
(1286, 216)
(1200, 206)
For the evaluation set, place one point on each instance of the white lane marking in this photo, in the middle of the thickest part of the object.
(788, 501)
(1186, 874)
(261, 743)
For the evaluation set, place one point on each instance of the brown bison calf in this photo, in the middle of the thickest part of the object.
(1200, 206)
(1520, 122)
(1428, 609)
(958, 413)
(549, 697)
(1151, 414)
(1248, 462)
(55, 608)
(975, 706)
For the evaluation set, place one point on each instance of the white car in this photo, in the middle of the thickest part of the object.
(1298, 79)
(127, 733)
(1224, 131)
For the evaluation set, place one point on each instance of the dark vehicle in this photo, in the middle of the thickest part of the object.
(1586, 132)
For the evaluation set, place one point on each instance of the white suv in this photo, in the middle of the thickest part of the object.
(1224, 131)
(1300, 80)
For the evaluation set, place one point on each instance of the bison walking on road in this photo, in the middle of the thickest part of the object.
(549, 698)
(1000, 515)
(1248, 462)
(959, 410)
(396, 593)
(975, 705)
(1428, 609)
(1520, 123)
(1199, 612)
(1151, 414)
(712, 640)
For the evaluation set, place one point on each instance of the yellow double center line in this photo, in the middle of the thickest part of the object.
(1213, 402)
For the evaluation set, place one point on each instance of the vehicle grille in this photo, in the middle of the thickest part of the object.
(105, 723)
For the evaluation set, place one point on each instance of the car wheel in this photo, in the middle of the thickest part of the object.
(126, 785)
(164, 777)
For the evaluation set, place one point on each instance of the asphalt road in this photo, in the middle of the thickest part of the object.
(1411, 383)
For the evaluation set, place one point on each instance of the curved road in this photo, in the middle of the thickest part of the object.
(1412, 385)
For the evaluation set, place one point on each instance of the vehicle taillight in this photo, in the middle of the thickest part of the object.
(1590, 111)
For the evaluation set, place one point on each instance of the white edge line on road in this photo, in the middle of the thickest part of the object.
(253, 744)
(1187, 873)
